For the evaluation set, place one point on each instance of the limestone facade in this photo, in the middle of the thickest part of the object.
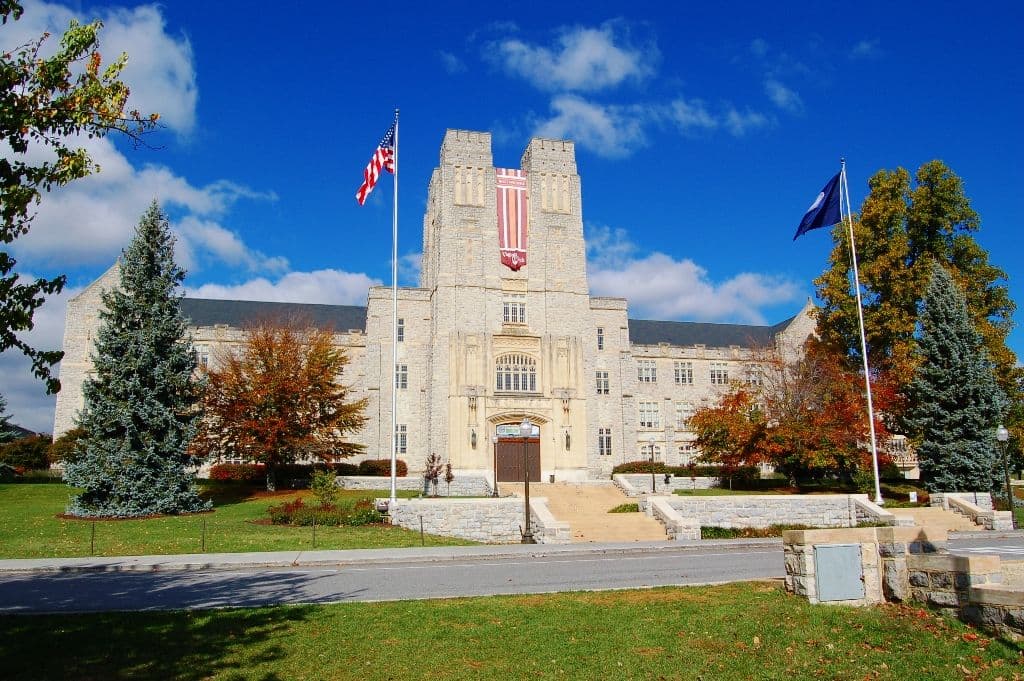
(601, 388)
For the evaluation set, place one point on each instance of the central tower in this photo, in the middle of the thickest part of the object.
(507, 338)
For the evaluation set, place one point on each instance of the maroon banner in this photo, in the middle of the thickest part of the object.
(512, 216)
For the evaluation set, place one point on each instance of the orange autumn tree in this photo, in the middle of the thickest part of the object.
(806, 417)
(279, 399)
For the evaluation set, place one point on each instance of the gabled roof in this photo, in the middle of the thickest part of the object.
(239, 313)
(648, 332)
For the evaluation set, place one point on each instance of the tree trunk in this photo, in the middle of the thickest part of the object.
(271, 478)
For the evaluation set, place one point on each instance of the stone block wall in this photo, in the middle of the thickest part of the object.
(801, 577)
(975, 505)
(491, 521)
(764, 510)
(462, 485)
(944, 581)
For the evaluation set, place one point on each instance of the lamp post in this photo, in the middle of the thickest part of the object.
(650, 445)
(526, 430)
(494, 443)
(1002, 435)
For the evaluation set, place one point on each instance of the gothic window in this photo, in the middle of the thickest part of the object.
(683, 373)
(515, 373)
(600, 338)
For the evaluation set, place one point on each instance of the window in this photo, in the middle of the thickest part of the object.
(602, 382)
(516, 373)
(400, 330)
(600, 338)
(687, 453)
(683, 373)
(604, 441)
(402, 376)
(514, 310)
(202, 356)
(753, 376)
(684, 411)
(646, 371)
(649, 416)
(719, 373)
(401, 438)
(645, 452)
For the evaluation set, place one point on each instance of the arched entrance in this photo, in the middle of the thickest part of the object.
(514, 454)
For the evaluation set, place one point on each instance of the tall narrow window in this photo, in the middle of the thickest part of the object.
(646, 450)
(402, 376)
(202, 356)
(683, 413)
(683, 372)
(647, 371)
(602, 383)
(515, 373)
(649, 415)
(401, 438)
(600, 338)
(687, 453)
(604, 441)
(719, 373)
(400, 330)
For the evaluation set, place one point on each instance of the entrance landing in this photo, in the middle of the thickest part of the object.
(585, 507)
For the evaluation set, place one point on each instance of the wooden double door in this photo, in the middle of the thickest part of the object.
(509, 459)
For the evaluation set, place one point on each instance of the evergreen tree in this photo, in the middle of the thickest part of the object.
(956, 403)
(6, 433)
(140, 406)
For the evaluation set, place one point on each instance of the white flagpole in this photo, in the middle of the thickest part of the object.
(844, 189)
(394, 327)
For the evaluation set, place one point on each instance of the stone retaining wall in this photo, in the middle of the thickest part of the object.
(462, 485)
(635, 484)
(764, 510)
(975, 505)
(492, 521)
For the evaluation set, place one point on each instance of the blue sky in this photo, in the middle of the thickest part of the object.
(702, 133)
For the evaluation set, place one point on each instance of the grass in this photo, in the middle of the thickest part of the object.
(31, 528)
(625, 508)
(737, 631)
(722, 492)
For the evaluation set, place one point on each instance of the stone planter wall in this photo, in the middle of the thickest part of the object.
(492, 521)
(462, 485)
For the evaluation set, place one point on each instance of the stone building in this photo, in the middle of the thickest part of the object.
(502, 327)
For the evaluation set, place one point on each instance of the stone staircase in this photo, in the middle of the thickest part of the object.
(585, 507)
(936, 516)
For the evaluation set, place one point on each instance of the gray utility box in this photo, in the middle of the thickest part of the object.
(838, 572)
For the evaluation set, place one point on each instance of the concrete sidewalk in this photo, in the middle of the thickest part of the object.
(278, 559)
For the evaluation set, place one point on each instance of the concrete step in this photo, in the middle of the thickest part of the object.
(936, 516)
(585, 507)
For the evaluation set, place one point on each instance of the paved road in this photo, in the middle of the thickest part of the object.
(420, 577)
(97, 591)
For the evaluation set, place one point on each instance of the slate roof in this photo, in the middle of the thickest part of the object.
(239, 313)
(648, 332)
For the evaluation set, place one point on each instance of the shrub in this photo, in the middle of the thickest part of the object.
(238, 472)
(293, 474)
(382, 467)
(625, 508)
(324, 487)
(65, 448)
(352, 513)
(30, 453)
(713, 532)
(694, 471)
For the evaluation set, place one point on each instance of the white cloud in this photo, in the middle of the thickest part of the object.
(27, 401)
(866, 49)
(610, 131)
(452, 64)
(159, 71)
(759, 47)
(660, 287)
(739, 123)
(692, 115)
(329, 287)
(203, 235)
(582, 59)
(409, 267)
(783, 97)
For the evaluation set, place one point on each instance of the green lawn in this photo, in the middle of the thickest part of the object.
(720, 492)
(738, 631)
(31, 529)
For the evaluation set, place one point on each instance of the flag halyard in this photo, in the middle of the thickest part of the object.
(383, 158)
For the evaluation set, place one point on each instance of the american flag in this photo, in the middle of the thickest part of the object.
(384, 158)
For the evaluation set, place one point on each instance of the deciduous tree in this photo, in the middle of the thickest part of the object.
(140, 404)
(48, 102)
(807, 418)
(956, 404)
(902, 229)
(279, 399)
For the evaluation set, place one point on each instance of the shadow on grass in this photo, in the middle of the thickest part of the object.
(175, 644)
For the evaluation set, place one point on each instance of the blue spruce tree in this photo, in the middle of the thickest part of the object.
(957, 404)
(140, 405)
(6, 433)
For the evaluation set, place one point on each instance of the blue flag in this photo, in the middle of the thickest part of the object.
(824, 212)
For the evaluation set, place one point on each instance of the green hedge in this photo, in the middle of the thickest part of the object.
(382, 467)
(705, 471)
(257, 472)
(30, 453)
